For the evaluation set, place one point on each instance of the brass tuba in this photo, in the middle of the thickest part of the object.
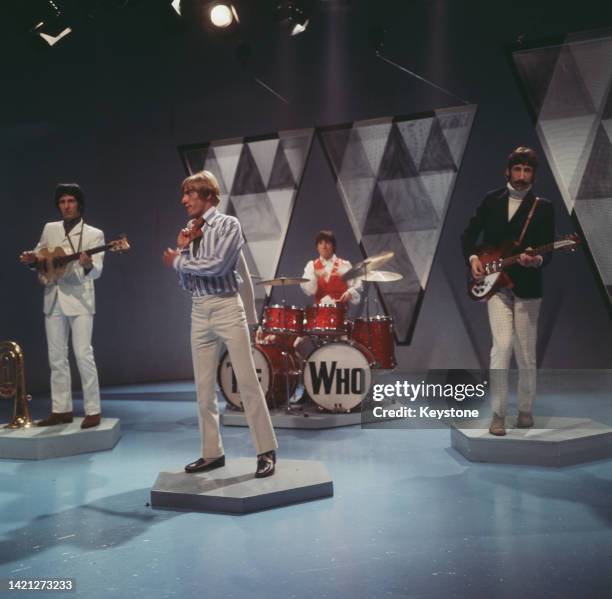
(12, 384)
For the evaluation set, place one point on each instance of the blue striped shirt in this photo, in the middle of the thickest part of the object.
(212, 269)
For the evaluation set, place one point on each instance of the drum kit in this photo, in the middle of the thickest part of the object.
(336, 370)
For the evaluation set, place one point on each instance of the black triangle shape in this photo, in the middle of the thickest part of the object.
(334, 143)
(247, 180)
(379, 220)
(281, 176)
(437, 155)
(396, 162)
(597, 179)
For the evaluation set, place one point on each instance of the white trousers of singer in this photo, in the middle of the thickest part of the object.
(58, 327)
(514, 327)
(218, 320)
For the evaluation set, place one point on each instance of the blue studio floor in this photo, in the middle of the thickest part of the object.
(410, 517)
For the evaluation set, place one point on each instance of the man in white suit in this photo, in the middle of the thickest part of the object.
(69, 306)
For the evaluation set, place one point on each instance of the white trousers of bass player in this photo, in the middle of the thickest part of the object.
(218, 320)
(514, 327)
(59, 327)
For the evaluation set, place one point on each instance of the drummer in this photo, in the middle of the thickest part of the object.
(324, 274)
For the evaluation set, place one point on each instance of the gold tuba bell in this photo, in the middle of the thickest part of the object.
(12, 384)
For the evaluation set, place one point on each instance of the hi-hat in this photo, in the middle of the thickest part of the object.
(283, 281)
(368, 265)
(381, 276)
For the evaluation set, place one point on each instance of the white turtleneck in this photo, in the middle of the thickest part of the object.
(515, 197)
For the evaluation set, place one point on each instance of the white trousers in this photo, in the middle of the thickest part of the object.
(514, 326)
(216, 320)
(58, 327)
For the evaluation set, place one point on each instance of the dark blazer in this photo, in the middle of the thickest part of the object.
(491, 219)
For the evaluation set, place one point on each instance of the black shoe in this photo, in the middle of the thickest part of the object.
(265, 464)
(201, 465)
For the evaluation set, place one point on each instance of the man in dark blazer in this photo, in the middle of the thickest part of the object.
(513, 312)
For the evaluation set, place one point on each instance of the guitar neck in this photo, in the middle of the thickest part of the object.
(70, 257)
(543, 249)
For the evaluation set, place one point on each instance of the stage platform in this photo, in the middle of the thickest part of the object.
(233, 489)
(41, 443)
(552, 441)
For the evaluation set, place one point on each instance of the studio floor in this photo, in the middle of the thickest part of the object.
(409, 518)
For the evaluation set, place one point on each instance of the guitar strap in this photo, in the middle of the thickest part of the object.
(529, 217)
(78, 251)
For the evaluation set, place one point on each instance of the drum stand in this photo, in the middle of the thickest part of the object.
(286, 350)
(367, 306)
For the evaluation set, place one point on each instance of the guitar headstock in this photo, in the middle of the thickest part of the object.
(568, 242)
(119, 245)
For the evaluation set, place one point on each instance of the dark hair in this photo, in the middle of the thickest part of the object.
(70, 189)
(523, 155)
(326, 235)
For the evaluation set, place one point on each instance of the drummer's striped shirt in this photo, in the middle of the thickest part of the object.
(209, 267)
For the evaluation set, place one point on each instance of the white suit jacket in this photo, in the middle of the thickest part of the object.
(75, 290)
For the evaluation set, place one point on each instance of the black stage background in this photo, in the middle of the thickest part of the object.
(109, 105)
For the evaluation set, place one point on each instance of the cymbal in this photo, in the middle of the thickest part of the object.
(381, 276)
(368, 265)
(283, 281)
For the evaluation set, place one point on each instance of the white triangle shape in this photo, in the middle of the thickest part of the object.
(439, 188)
(263, 152)
(265, 255)
(296, 149)
(421, 247)
(282, 201)
(569, 143)
(228, 156)
(373, 139)
(415, 135)
(594, 61)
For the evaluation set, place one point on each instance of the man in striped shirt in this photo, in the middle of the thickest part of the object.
(206, 259)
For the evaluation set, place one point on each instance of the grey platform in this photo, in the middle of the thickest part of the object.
(308, 418)
(234, 489)
(553, 441)
(58, 441)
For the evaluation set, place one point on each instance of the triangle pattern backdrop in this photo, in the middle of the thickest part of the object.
(569, 88)
(396, 176)
(259, 179)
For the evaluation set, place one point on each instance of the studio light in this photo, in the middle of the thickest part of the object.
(176, 4)
(48, 37)
(295, 14)
(223, 15)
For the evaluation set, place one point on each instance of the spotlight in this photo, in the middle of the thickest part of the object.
(223, 15)
(296, 14)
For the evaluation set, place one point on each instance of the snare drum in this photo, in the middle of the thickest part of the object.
(376, 333)
(283, 319)
(270, 365)
(337, 375)
(325, 319)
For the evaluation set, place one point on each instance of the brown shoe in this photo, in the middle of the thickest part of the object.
(56, 418)
(524, 420)
(91, 420)
(498, 425)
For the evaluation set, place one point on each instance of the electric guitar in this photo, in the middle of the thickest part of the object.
(51, 264)
(495, 260)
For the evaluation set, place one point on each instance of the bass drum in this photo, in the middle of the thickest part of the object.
(337, 376)
(270, 366)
